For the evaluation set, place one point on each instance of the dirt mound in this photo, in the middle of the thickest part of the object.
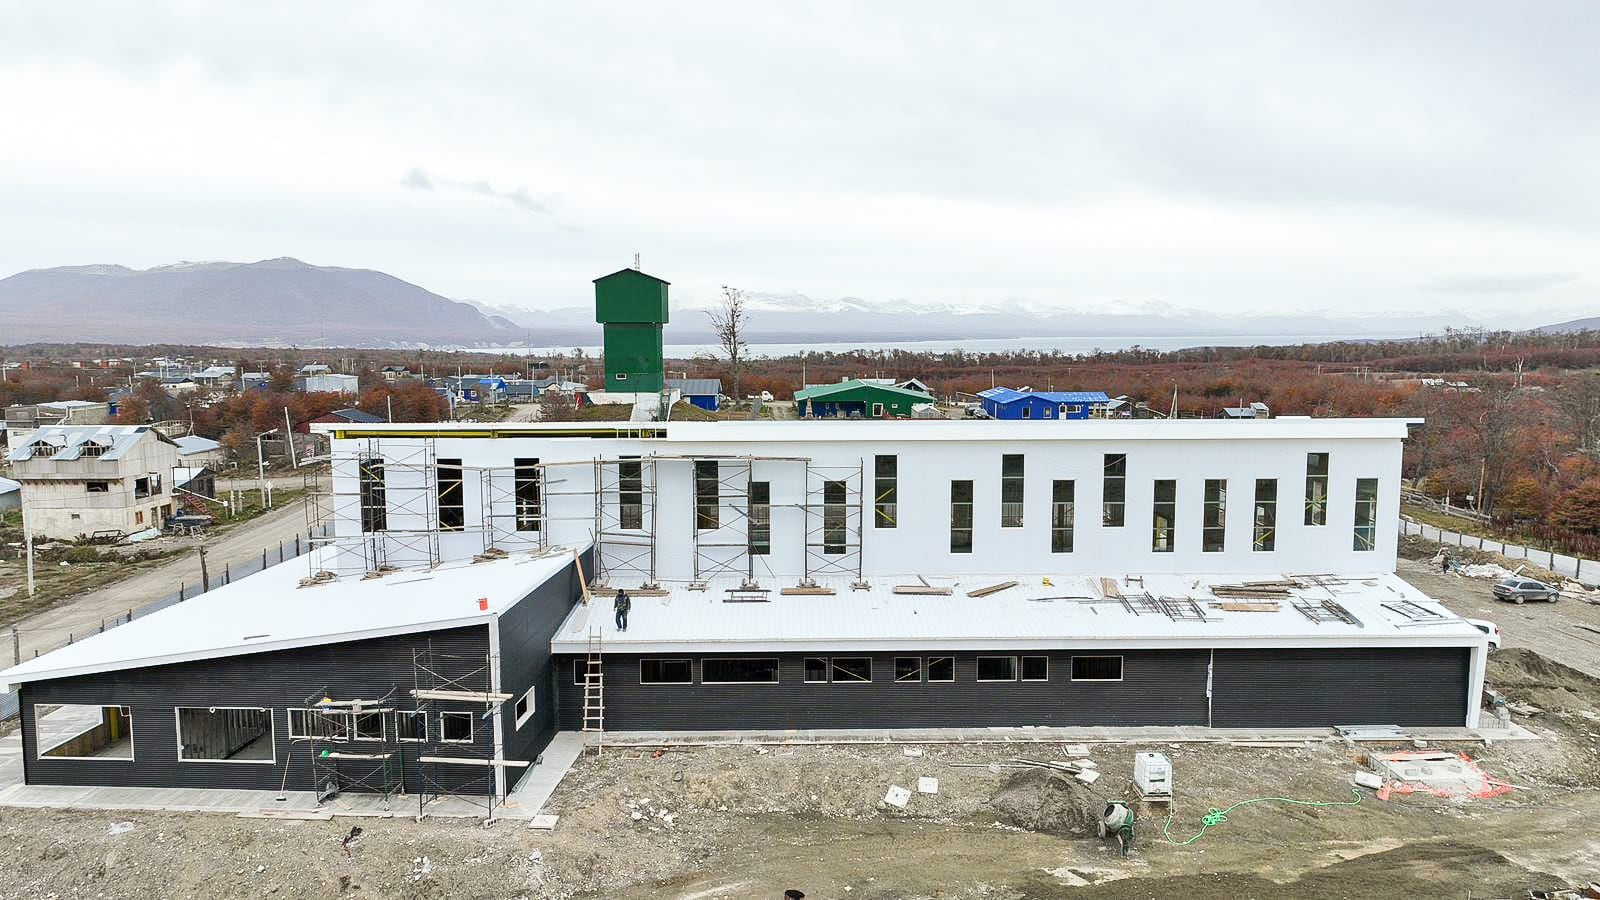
(1526, 675)
(1046, 801)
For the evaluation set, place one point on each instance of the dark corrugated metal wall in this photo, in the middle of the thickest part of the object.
(1253, 688)
(525, 633)
(280, 680)
(1414, 687)
(1160, 687)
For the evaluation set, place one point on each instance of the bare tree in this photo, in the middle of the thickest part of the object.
(728, 320)
(1578, 401)
(557, 406)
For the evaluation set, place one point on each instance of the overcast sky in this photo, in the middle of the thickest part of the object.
(1358, 157)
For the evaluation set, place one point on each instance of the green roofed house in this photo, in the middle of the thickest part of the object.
(633, 308)
(857, 399)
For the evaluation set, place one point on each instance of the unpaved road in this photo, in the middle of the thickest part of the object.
(83, 614)
(1558, 631)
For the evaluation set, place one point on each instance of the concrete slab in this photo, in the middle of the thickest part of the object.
(1078, 736)
(534, 789)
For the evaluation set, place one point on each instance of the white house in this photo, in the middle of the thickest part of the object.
(81, 479)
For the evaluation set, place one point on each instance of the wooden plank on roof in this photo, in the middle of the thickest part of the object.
(991, 589)
(807, 591)
(922, 590)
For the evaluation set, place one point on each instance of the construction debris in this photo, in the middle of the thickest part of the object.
(897, 796)
(922, 590)
(807, 590)
(991, 589)
(926, 785)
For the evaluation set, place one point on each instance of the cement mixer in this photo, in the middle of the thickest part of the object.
(1117, 820)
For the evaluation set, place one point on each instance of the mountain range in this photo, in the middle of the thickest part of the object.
(286, 302)
(271, 302)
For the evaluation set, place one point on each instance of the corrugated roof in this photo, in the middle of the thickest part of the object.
(1004, 395)
(117, 439)
(823, 391)
(194, 443)
(269, 611)
(1032, 615)
(697, 387)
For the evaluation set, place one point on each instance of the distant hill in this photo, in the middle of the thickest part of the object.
(272, 302)
(1590, 324)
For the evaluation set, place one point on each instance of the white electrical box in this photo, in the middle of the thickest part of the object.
(1152, 775)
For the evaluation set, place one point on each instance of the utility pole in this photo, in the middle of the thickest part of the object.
(27, 541)
(288, 437)
(390, 399)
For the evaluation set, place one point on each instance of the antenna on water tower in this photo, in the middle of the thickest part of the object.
(636, 260)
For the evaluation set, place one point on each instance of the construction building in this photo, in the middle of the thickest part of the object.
(94, 480)
(783, 575)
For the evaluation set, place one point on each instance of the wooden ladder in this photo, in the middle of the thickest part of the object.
(594, 690)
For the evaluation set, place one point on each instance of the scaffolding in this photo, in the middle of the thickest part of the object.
(393, 502)
(343, 760)
(723, 548)
(834, 515)
(625, 518)
(458, 684)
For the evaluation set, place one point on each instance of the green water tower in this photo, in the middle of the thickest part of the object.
(633, 308)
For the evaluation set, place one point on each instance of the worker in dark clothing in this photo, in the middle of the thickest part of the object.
(1444, 564)
(622, 604)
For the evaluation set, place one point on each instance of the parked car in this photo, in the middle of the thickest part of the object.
(1489, 628)
(1517, 589)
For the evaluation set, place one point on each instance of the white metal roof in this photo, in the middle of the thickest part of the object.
(1020, 618)
(931, 429)
(269, 611)
(116, 439)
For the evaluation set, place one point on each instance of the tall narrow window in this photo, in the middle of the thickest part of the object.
(527, 474)
(1011, 490)
(1115, 495)
(1366, 537)
(885, 491)
(760, 518)
(630, 493)
(452, 498)
(374, 497)
(1163, 514)
(960, 517)
(1266, 518)
(1214, 523)
(1316, 488)
(706, 496)
(1063, 509)
(835, 518)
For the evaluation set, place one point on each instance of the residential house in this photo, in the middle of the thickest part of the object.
(858, 399)
(194, 450)
(78, 480)
(705, 393)
(1256, 410)
(1005, 403)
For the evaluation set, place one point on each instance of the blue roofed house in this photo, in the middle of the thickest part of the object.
(705, 393)
(1005, 403)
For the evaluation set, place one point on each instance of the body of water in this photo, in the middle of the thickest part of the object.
(1068, 345)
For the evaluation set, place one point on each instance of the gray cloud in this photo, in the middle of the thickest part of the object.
(1500, 284)
(422, 180)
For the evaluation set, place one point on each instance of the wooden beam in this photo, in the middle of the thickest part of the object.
(464, 696)
(921, 590)
(991, 589)
(811, 591)
(458, 761)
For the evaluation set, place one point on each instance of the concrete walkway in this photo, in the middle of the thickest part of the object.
(1180, 734)
(534, 790)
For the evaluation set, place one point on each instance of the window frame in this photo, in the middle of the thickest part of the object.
(961, 510)
(372, 491)
(1114, 512)
(355, 732)
(833, 670)
(1014, 484)
(272, 735)
(1016, 669)
(777, 674)
(1164, 506)
(339, 724)
(1214, 500)
(1264, 529)
(1022, 668)
(127, 716)
(835, 517)
(412, 714)
(927, 669)
(472, 727)
(759, 527)
(1122, 667)
(455, 484)
(805, 669)
(707, 495)
(531, 702)
(527, 477)
(1063, 510)
(899, 678)
(630, 493)
(1364, 535)
(686, 660)
(885, 513)
(1316, 508)
(89, 487)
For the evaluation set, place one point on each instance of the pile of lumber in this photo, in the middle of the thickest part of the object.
(1255, 590)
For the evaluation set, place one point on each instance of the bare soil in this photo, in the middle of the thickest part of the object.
(736, 822)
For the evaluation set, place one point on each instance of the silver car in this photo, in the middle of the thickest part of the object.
(1517, 589)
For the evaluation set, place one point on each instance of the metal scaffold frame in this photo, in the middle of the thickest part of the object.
(468, 681)
(823, 535)
(412, 498)
(724, 557)
(625, 535)
(378, 765)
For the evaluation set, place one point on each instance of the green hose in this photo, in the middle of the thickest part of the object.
(1216, 816)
